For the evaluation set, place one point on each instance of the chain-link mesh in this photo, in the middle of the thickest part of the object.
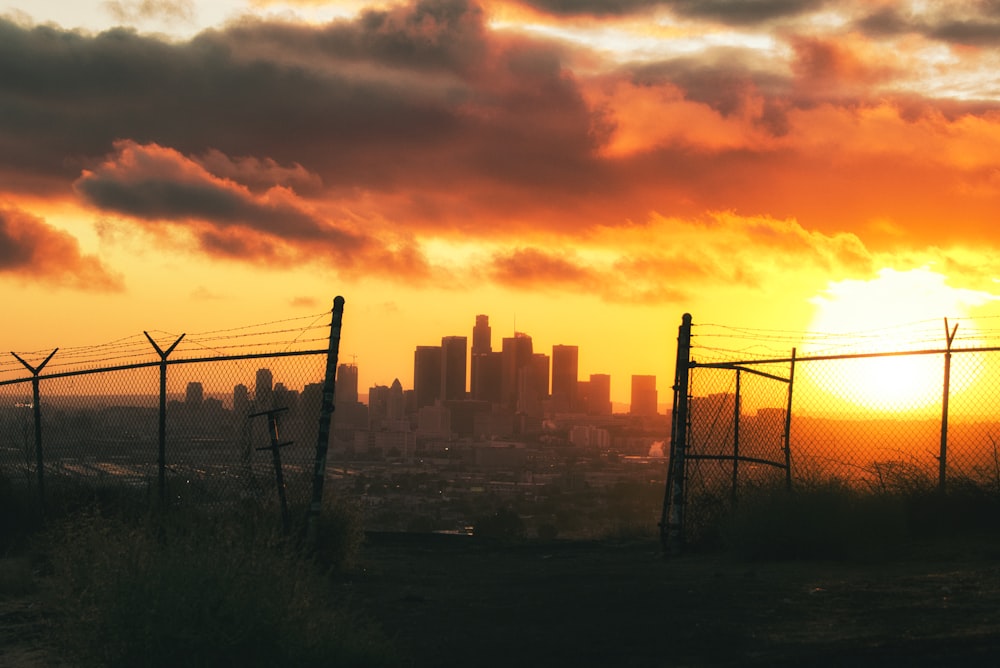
(99, 414)
(899, 410)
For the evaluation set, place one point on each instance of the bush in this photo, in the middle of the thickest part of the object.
(169, 592)
(829, 521)
(503, 524)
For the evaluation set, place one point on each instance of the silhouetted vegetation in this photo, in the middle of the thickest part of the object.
(169, 592)
(502, 524)
(130, 586)
(833, 519)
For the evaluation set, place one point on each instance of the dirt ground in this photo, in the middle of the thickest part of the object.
(454, 601)
(448, 600)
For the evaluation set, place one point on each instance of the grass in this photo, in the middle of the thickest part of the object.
(128, 586)
(168, 592)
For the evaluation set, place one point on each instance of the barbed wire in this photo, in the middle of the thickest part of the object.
(726, 343)
(271, 336)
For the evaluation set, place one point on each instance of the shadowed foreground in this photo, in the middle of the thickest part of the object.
(446, 599)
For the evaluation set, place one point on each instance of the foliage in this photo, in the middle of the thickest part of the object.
(824, 521)
(502, 524)
(196, 591)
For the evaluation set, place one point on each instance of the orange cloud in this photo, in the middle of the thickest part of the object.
(156, 185)
(32, 250)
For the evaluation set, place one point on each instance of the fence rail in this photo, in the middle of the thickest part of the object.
(179, 428)
(915, 417)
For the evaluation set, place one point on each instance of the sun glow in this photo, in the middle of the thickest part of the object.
(897, 312)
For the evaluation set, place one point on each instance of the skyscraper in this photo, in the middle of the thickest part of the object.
(482, 345)
(599, 394)
(643, 396)
(533, 385)
(241, 400)
(482, 335)
(263, 392)
(565, 370)
(489, 377)
(453, 354)
(427, 375)
(194, 394)
(517, 354)
(347, 385)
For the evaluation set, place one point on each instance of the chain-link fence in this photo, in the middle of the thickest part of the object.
(167, 418)
(909, 409)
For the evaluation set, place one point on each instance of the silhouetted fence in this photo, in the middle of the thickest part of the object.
(919, 417)
(179, 426)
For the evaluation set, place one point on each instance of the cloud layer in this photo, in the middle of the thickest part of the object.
(819, 132)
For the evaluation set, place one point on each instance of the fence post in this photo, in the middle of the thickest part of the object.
(946, 391)
(162, 459)
(736, 440)
(275, 448)
(672, 518)
(788, 425)
(325, 417)
(37, 410)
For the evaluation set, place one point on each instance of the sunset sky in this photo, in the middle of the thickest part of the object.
(584, 171)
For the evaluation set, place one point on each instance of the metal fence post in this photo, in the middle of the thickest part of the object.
(672, 518)
(325, 418)
(37, 410)
(946, 391)
(736, 441)
(162, 459)
(788, 424)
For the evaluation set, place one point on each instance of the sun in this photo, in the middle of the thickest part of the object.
(896, 312)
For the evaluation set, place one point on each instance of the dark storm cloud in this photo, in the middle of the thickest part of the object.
(153, 183)
(977, 25)
(404, 98)
(33, 250)
(732, 12)
(158, 186)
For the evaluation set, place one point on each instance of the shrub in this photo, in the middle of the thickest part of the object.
(503, 524)
(829, 521)
(168, 592)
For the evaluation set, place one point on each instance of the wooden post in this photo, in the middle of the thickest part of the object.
(275, 448)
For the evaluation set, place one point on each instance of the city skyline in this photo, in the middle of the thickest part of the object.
(556, 376)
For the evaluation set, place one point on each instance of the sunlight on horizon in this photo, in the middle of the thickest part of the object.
(892, 313)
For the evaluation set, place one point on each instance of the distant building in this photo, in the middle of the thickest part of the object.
(241, 400)
(643, 396)
(517, 353)
(396, 403)
(427, 375)
(565, 372)
(489, 377)
(588, 436)
(599, 394)
(378, 407)
(194, 395)
(482, 335)
(263, 392)
(453, 366)
(482, 346)
(346, 391)
(533, 385)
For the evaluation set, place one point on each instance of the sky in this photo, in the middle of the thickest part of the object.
(583, 171)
